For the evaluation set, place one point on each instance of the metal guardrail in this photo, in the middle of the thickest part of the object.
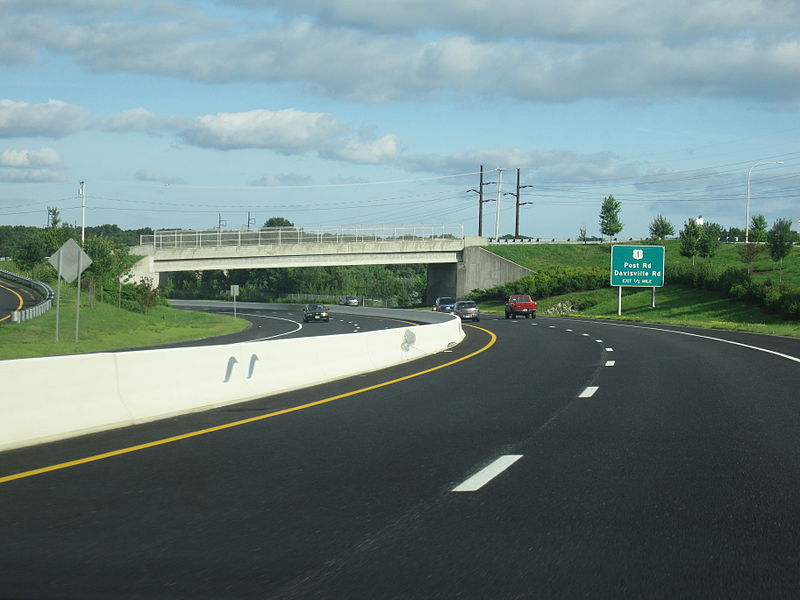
(36, 310)
(267, 236)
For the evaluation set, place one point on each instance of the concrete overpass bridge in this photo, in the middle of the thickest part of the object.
(457, 264)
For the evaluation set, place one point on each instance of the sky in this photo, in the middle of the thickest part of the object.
(204, 114)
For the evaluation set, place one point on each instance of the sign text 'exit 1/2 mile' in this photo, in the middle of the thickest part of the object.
(637, 266)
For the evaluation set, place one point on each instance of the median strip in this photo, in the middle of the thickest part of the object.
(177, 438)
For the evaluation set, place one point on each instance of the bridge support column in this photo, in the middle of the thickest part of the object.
(477, 268)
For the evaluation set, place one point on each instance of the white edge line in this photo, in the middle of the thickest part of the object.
(705, 337)
(485, 475)
(272, 337)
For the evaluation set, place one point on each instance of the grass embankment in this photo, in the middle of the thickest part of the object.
(543, 256)
(104, 327)
(675, 304)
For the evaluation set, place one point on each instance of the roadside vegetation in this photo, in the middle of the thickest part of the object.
(716, 291)
(709, 283)
(105, 327)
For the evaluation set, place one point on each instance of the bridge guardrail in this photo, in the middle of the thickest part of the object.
(38, 286)
(266, 236)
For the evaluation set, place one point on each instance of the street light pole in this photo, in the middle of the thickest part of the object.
(747, 206)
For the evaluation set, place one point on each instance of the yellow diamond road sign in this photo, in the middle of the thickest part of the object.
(70, 260)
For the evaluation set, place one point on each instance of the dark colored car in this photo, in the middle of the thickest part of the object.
(467, 310)
(444, 304)
(316, 312)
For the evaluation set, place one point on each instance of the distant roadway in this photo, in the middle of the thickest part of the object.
(14, 297)
(546, 458)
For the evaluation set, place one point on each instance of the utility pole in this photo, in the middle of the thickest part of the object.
(250, 221)
(81, 193)
(481, 201)
(516, 195)
(220, 224)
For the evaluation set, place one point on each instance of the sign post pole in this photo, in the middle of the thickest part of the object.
(70, 261)
(78, 299)
(619, 300)
(58, 298)
(234, 293)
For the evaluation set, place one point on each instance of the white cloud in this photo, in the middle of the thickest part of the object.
(549, 165)
(54, 118)
(25, 159)
(366, 151)
(526, 19)
(30, 166)
(374, 52)
(288, 131)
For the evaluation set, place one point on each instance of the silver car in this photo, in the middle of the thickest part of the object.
(467, 309)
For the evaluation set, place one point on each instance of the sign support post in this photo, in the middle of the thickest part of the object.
(70, 261)
(234, 293)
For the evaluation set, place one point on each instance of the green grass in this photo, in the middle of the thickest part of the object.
(543, 256)
(675, 304)
(105, 327)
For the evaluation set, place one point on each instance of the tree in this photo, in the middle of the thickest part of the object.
(748, 253)
(278, 222)
(109, 260)
(690, 235)
(610, 224)
(53, 217)
(661, 228)
(779, 241)
(582, 235)
(710, 239)
(30, 251)
(758, 229)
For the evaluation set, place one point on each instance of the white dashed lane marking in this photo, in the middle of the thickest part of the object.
(485, 475)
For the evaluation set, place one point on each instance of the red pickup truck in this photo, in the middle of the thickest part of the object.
(520, 304)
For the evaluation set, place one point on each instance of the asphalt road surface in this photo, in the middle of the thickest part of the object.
(274, 321)
(546, 458)
(14, 297)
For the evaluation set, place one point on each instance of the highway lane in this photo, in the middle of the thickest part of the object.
(647, 463)
(14, 297)
(273, 321)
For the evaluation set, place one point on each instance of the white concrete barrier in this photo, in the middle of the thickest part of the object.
(45, 399)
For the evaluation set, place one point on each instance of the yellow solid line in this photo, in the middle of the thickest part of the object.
(19, 306)
(191, 434)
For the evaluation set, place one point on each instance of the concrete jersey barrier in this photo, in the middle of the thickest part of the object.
(51, 398)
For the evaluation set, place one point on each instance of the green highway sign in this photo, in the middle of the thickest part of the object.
(637, 266)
